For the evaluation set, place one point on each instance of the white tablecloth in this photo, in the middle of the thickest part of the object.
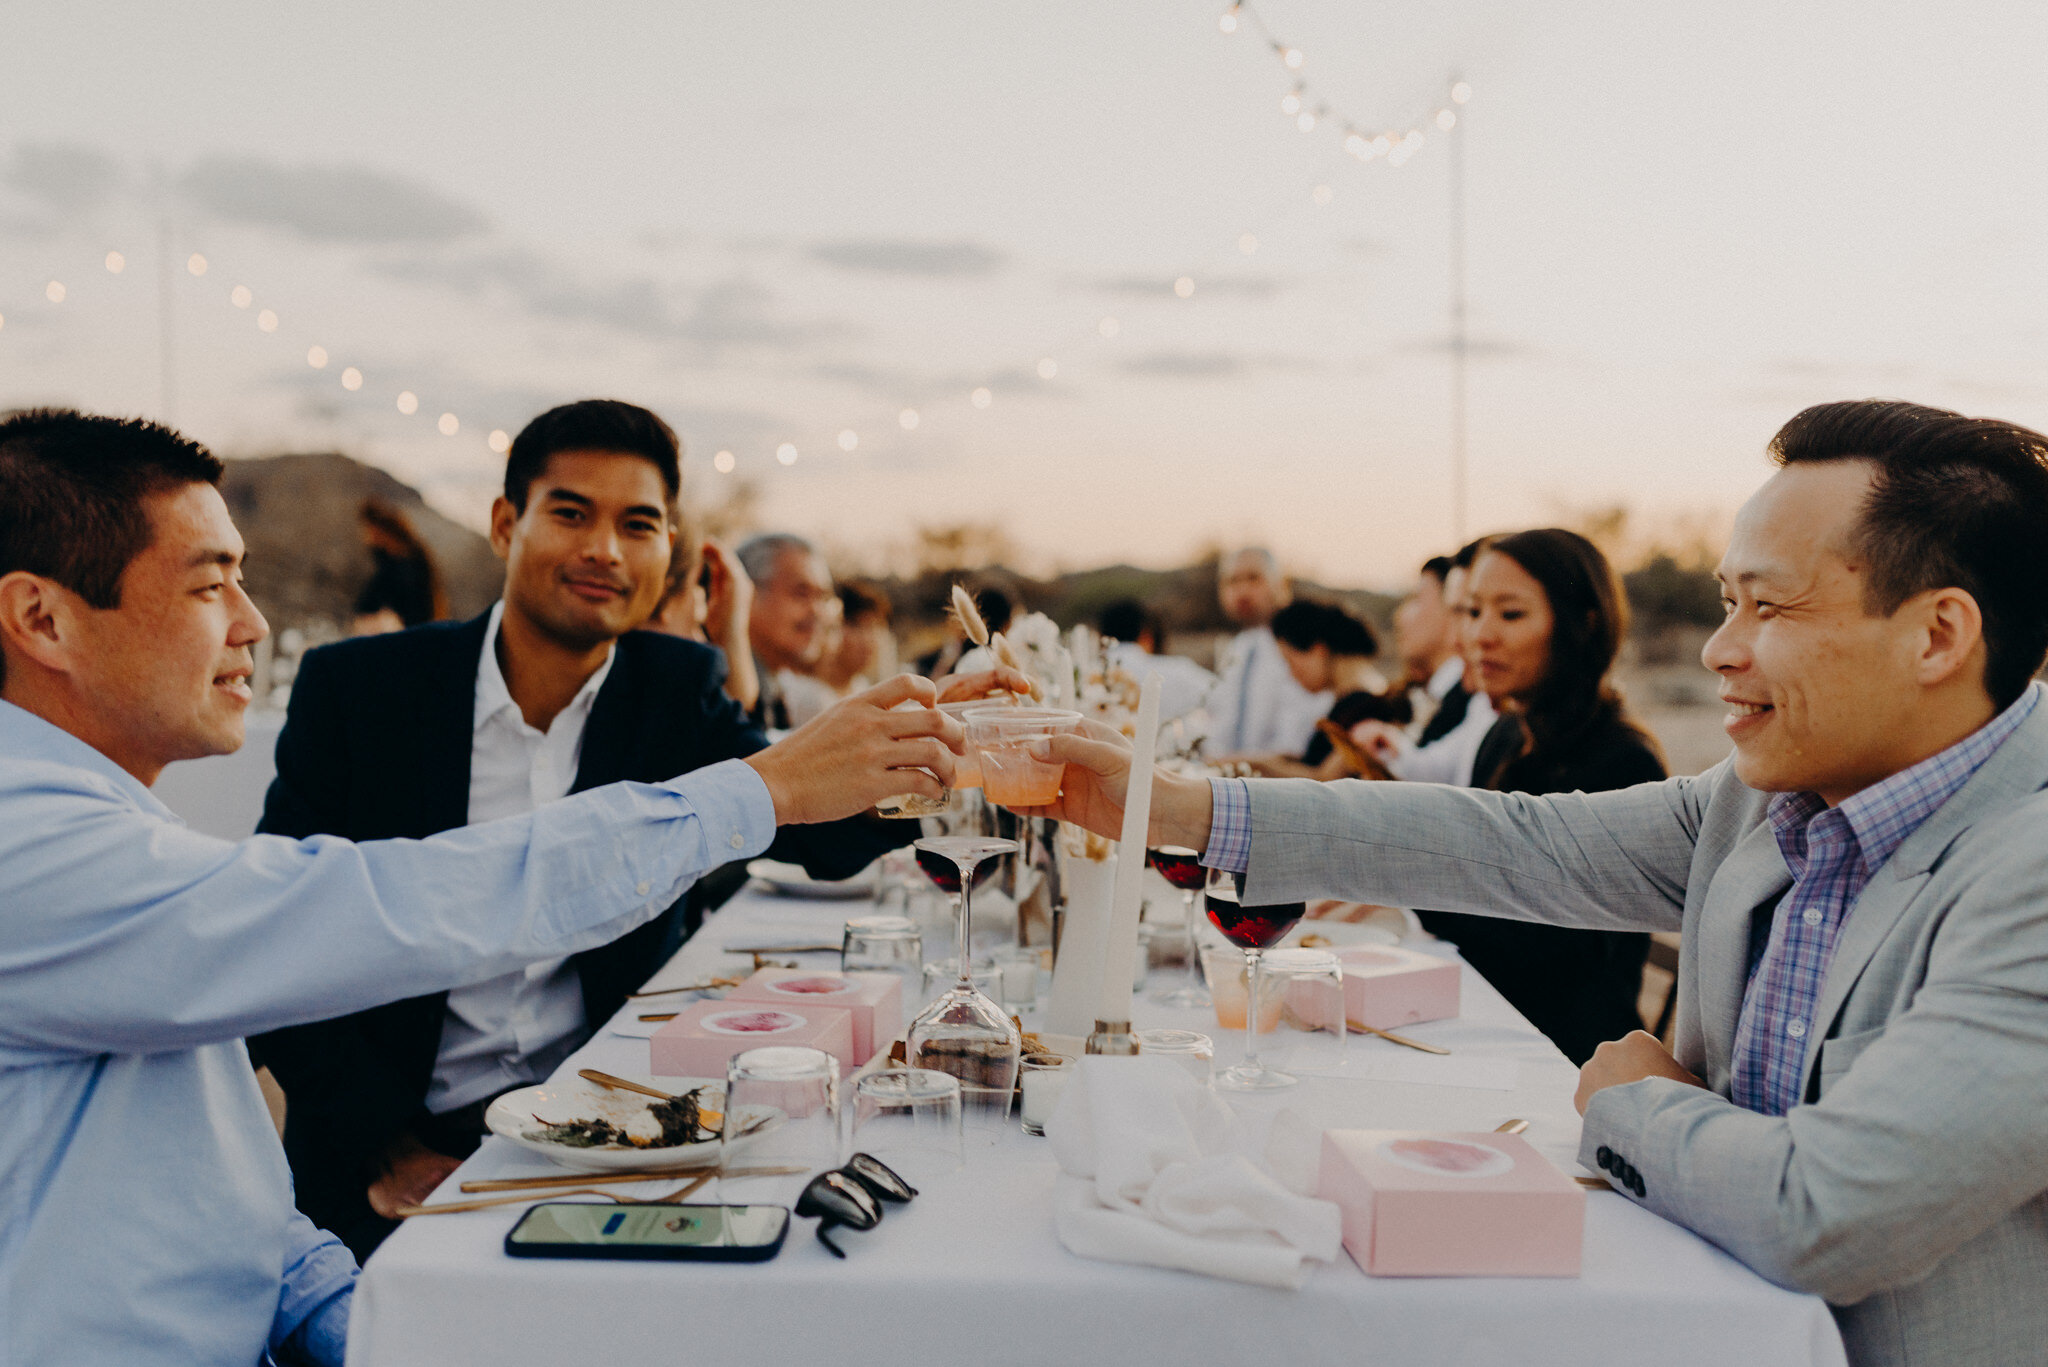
(971, 1272)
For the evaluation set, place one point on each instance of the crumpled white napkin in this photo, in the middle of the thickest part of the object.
(1150, 1175)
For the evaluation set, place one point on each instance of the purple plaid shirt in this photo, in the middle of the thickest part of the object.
(1832, 854)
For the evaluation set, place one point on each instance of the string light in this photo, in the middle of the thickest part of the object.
(1290, 57)
(1306, 122)
(786, 453)
(3, 320)
(1446, 120)
(196, 264)
(981, 398)
(1290, 103)
(1228, 22)
(722, 462)
(1185, 287)
(241, 297)
(907, 419)
(351, 379)
(54, 291)
(266, 321)
(848, 439)
(1460, 93)
(448, 425)
(1322, 195)
(316, 357)
(408, 402)
(116, 263)
(500, 441)
(1108, 327)
(1247, 243)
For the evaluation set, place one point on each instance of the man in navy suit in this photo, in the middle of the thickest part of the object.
(553, 691)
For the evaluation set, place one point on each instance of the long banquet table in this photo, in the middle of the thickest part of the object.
(971, 1272)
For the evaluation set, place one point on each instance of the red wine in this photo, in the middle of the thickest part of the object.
(946, 874)
(1180, 867)
(1250, 927)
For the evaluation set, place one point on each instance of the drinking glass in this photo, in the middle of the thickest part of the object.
(964, 1032)
(1191, 1049)
(1045, 1078)
(941, 974)
(886, 944)
(1183, 869)
(1001, 738)
(910, 1119)
(1252, 929)
(1019, 967)
(909, 805)
(781, 1110)
(1301, 1011)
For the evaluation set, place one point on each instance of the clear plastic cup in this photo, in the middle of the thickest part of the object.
(910, 1119)
(1001, 739)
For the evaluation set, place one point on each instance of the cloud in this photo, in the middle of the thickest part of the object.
(329, 203)
(65, 175)
(910, 256)
(1186, 364)
(1242, 286)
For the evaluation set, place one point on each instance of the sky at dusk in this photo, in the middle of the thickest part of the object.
(775, 223)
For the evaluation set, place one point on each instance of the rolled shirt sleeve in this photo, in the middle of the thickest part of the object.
(1230, 826)
(313, 1300)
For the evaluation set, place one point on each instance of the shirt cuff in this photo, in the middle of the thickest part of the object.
(732, 801)
(315, 1294)
(1230, 826)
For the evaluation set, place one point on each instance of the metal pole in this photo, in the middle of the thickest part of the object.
(166, 327)
(1460, 347)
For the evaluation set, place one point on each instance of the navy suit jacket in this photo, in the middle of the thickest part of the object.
(376, 745)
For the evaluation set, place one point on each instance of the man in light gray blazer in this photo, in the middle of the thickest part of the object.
(1858, 1105)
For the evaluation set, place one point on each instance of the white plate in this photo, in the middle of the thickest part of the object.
(513, 1116)
(789, 880)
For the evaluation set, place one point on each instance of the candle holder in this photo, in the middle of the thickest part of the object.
(1112, 1037)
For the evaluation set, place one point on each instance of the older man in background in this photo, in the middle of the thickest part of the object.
(1256, 707)
(792, 587)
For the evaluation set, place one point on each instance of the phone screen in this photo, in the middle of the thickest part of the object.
(677, 1227)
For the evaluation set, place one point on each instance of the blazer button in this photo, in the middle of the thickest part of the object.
(1604, 1156)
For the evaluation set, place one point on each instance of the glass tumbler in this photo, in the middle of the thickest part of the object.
(886, 944)
(1191, 1049)
(781, 1110)
(1301, 1011)
(1001, 739)
(910, 1119)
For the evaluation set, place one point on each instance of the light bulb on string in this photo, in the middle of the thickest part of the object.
(1446, 120)
(241, 297)
(981, 398)
(266, 321)
(786, 453)
(1247, 243)
(1290, 103)
(1109, 327)
(1322, 195)
(116, 263)
(1292, 57)
(1382, 145)
(408, 402)
(54, 291)
(1356, 144)
(316, 357)
(1460, 93)
(448, 425)
(722, 462)
(1185, 287)
(196, 264)
(1305, 121)
(907, 420)
(3, 320)
(1228, 20)
(499, 441)
(1047, 367)
(848, 439)
(351, 379)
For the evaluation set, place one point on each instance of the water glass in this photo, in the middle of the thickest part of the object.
(1301, 1011)
(1191, 1049)
(781, 1110)
(941, 974)
(910, 1119)
(885, 944)
(1044, 1079)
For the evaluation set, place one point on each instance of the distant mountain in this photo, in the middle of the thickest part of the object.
(306, 562)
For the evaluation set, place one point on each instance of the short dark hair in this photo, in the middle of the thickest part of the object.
(1954, 502)
(1462, 558)
(592, 425)
(1127, 619)
(72, 487)
(858, 601)
(1437, 567)
(1306, 624)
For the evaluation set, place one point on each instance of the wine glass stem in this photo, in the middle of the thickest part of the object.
(1187, 898)
(966, 927)
(1251, 1010)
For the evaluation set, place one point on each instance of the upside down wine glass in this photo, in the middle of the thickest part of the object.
(1253, 930)
(964, 1032)
(1183, 869)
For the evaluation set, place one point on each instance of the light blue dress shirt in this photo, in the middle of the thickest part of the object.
(145, 1206)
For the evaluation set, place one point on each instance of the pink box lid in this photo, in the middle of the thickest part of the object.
(705, 1035)
(876, 999)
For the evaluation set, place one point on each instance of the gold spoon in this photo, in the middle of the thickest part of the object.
(1393, 1038)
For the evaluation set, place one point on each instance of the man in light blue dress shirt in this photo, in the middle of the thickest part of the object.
(145, 1206)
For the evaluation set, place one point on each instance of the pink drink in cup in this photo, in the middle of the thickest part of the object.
(1002, 739)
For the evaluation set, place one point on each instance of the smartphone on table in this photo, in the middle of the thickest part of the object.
(574, 1229)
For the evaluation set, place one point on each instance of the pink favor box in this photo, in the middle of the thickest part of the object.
(1418, 1204)
(874, 999)
(1387, 988)
(703, 1038)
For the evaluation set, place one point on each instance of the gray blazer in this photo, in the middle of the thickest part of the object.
(1911, 1191)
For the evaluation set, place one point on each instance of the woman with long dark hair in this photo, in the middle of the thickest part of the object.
(404, 588)
(1545, 618)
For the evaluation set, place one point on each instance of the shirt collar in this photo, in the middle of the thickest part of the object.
(492, 695)
(1446, 677)
(1881, 816)
(26, 735)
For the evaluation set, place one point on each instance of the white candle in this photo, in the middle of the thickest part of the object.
(1127, 898)
(1042, 1090)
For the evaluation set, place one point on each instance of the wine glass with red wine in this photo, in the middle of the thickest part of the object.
(1252, 929)
(1182, 868)
(964, 1032)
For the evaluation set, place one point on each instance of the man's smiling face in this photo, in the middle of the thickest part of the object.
(587, 560)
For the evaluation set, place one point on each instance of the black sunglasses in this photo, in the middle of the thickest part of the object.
(851, 1196)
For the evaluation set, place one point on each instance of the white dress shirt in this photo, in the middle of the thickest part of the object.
(1446, 678)
(1256, 707)
(511, 1030)
(1449, 758)
(1182, 683)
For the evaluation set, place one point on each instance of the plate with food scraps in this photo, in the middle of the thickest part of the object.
(789, 880)
(588, 1127)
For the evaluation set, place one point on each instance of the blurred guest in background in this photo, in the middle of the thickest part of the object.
(1138, 644)
(1546, 619)
(1448, 744)
(1329, 651)
(1426, 636)
(791, 589)
(549, 693)
(1256, 707)
(404, 588)
(997, 611)
(856, 650)
(710, 599)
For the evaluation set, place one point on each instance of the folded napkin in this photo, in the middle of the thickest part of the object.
(1149, 1174)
